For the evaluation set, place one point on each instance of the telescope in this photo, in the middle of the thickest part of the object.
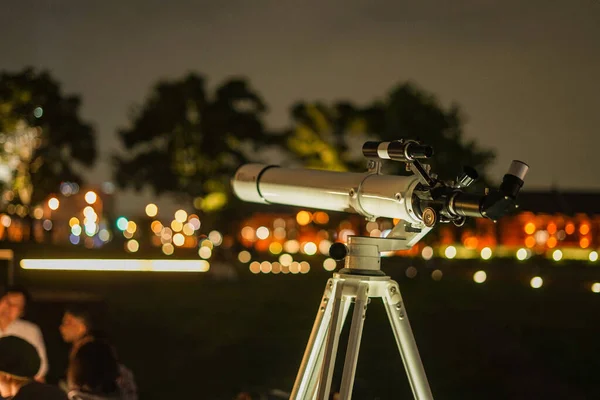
(419, 201)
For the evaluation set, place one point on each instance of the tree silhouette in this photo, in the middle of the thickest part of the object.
(188, 143)
(331, 137)
(42, 138)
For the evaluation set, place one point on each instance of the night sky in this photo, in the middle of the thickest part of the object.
(527, 73)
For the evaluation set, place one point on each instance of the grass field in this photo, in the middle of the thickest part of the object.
(197, 336)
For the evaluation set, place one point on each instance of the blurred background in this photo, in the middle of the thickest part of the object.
(122, 123)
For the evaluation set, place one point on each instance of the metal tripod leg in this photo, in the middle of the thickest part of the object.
(331, 344)
(406, 342)
(316, 371)
(358, 319)
(312, 362)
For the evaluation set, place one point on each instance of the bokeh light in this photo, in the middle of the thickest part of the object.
(479, 276)
(151, 210)
(180, 216)
(53, 203)
(486, 253)
(329, 264)
(427, 253)
(244, 256)
(536, 282)
(303, 218)
(91, 197)
(133, 246)
(450, 252)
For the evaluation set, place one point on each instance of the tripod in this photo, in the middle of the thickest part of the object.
(361, 280)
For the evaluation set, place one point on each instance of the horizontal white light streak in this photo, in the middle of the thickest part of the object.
(116, 265)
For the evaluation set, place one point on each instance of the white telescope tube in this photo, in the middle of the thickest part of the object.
(371, 195)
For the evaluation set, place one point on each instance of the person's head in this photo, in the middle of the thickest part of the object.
(94, 368)
(13, 303)
(19, 363)
(76, 324)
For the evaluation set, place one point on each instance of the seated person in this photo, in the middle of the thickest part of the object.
(77, 329)
(93, 372)
(13, 303)
(19, 363)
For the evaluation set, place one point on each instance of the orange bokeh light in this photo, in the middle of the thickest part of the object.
(552, 242)
(321, 218)
(471, 242)
(530, 241)
(570, 228)
(584, 228)
(551, 228)
(584, 243)
(529, 228)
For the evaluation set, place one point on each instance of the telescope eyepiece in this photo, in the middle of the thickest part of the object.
(397, 150)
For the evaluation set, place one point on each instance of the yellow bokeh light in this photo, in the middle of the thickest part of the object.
(450, 252)
(536, 282)
(479, 276)
(151, 210)
(303, 217)
(38, 213)
(73, 221)
(188, 229)
(486, 253)
(53, 203)
(291, 246)
(275, 248)
(286, 260)
(593, 256)
(91, 197)
(176, 225)
(557, 255)
(168, 248)
(204, 252)
(131, 227)
(180, 216)
(596, 287)
(244, 256)
(529, 228)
